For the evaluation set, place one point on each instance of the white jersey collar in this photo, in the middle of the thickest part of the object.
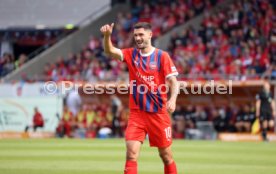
(147, 54)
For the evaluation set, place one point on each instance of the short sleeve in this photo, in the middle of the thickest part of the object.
(167, 66)
(126, 54)
(258, 97)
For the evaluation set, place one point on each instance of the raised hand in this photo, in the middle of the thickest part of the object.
(107, 29)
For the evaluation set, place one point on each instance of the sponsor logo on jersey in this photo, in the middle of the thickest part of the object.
(173, 68)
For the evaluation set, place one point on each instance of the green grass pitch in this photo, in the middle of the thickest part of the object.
(71, 156)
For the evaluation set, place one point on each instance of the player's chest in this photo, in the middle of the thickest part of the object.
(266, 97)
(146, 66)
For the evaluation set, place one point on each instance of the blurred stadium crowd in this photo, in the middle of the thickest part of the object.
(86, 120)
(238, 43)
(90, 121)
(92, 65)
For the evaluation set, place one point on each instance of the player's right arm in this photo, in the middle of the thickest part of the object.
(109, 49)
(258, 105)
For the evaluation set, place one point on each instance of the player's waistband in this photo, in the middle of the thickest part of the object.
(142, 111)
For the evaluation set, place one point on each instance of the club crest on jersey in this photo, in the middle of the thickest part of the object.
(153, 65)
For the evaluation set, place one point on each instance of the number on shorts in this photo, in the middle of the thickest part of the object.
(168, 132)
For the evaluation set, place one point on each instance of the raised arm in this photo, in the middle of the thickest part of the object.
(174, 89)
(109, 49)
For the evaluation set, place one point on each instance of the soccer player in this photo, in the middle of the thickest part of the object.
(265, 110)
(150, 69)
(38, 121)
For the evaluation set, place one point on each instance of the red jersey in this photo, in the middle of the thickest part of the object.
(38, 119)
(147, 75)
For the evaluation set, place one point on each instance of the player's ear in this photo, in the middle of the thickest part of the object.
(150, 33)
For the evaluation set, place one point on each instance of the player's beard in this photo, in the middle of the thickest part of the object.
(143, 45)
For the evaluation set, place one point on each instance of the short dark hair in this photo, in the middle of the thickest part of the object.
(144, 25)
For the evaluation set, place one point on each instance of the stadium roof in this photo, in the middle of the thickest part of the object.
(48, 14)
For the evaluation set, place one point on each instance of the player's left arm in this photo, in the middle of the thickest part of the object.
(174, 88)
(170, 73)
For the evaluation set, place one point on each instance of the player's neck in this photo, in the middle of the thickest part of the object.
(147, 50)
